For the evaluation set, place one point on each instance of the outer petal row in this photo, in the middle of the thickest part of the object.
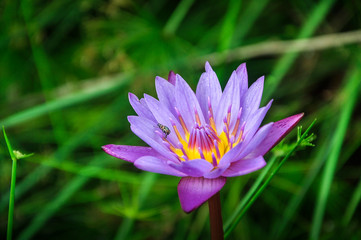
(193, 192)
(156, 165)
(145, 130)
(245, 160)
(129, 153)
(278, 131)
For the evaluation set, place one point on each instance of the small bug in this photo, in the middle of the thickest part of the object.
(164, 129)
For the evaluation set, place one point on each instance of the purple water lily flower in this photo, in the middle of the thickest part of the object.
(202, 137)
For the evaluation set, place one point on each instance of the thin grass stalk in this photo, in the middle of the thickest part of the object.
(250, 193)
(126, 227)
(351, 207)
(297, 199)
(11, 201)
(177, 16)
(352, 89)
(285, 62)
(12, 188)
(265, 184)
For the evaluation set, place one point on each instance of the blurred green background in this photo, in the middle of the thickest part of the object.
(66, 68)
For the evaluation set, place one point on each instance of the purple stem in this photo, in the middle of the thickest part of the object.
(215, 217)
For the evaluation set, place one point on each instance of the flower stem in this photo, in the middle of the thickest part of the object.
(215, 217)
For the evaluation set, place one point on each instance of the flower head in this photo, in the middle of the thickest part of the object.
(203, 137)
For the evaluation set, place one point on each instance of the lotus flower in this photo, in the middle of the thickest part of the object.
(202, 137)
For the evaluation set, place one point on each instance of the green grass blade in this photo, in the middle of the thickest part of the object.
(266, 182)
(351, 207)
(148, 182)
(295, 202)
(247, 20)
(53, 206)
(229, 23)
(91, 171)
(352, 89)
(63, 152)
(177, 16)
(70, 100)
(12, 188)
(11, 201)
(286, 61)
(250, 193)
(11, 151)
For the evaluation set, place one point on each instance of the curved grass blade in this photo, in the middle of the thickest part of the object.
(352, 89)
(285, 62)
(266, 182)
(250, 193)
(12, 188)
(177, 16)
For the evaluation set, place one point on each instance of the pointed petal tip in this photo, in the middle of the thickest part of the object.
(300, 114)
(241, 66)
(132, 95)
(208, 67)
(157, 78)
(261, 79)
(130, 118)
(129, 153)
(106, 147)
(172, 77)
(279, 130)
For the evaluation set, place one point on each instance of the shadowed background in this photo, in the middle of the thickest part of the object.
(66, 68)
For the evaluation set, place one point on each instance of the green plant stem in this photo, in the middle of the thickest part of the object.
(250, 193)
(11, 201)
(12, 188)
(215, 217)
(266, 182)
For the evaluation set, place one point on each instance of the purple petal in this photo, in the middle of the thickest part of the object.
(217, 172)
(163, 116)
(243, 79)
(193, 192)
(193, 168)
(244, 148)
(156, 165)
(165, 92)
(187, 103)
(129, 153)
(139, 107)
(278, 131)
(255, 121)
(208, 87)
(145, 130)
(252, 98)
(260, 135)
(244, 166)
(230, 97)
